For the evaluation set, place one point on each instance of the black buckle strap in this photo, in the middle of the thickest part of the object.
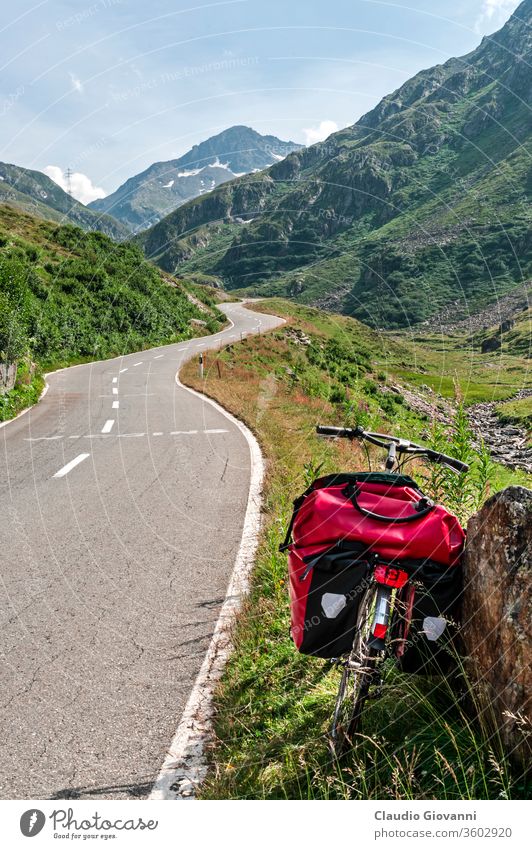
(297, 506)
(361, 554)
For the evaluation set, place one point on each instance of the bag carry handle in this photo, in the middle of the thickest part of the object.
(422, 508)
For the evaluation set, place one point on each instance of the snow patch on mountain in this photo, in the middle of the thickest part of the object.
(191, 172)
(218, 164)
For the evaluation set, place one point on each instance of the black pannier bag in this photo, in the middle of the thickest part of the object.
(338, 578)
(430, 604)
(345, 525)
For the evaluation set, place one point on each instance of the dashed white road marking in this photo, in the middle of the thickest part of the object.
(122, 370)
(138, 364)
(158, 357)
(115, 390)
(115, 380)
(108, 426)
(41, 438)
(116, 405)
(69, 466)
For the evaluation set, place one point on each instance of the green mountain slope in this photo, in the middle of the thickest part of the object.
(35, 193)
(422, 203)
(67, 295)
(147, 197)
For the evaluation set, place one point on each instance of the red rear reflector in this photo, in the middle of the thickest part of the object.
(390, 576)
(380, 631)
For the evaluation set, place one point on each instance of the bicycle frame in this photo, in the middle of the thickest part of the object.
(387, 577)
(361, 670)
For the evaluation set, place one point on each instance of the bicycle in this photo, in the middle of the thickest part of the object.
(373, 641)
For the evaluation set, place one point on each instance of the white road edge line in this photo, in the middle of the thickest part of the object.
(69, 466)
(185, 765)
(108, 426)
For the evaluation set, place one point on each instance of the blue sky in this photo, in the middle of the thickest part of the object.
(106, 87)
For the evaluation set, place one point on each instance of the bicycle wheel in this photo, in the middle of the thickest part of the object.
(357, 675)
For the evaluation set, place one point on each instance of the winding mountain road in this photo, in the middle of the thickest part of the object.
(122, 501)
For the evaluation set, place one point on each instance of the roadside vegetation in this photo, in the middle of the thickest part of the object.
(68, 296)
(28, 386)
(273, 706)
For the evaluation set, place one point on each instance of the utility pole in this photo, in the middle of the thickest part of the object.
(68, 178)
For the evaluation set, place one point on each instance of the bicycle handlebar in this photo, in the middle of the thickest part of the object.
(445, 460)
(345, 432)
(403, 446)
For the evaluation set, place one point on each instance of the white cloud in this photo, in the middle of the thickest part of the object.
(82, 187)
(495, 12)
(319, 133)
(77, 85)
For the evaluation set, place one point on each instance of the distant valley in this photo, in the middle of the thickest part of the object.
(421, 206)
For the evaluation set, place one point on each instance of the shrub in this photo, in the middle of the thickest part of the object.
(464, 493)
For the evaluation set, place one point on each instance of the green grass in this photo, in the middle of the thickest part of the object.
(273, 705)
(449, 365)
(518, 412)
(26, 392)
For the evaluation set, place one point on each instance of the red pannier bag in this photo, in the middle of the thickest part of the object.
(344, 525)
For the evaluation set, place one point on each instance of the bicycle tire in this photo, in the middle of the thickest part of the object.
(357, 676)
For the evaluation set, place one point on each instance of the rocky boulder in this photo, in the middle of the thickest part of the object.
(492, 343)
(497, 611)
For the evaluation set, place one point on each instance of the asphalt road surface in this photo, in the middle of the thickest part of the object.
(122, 501)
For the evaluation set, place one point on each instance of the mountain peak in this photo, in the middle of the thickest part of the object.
(147, 197)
